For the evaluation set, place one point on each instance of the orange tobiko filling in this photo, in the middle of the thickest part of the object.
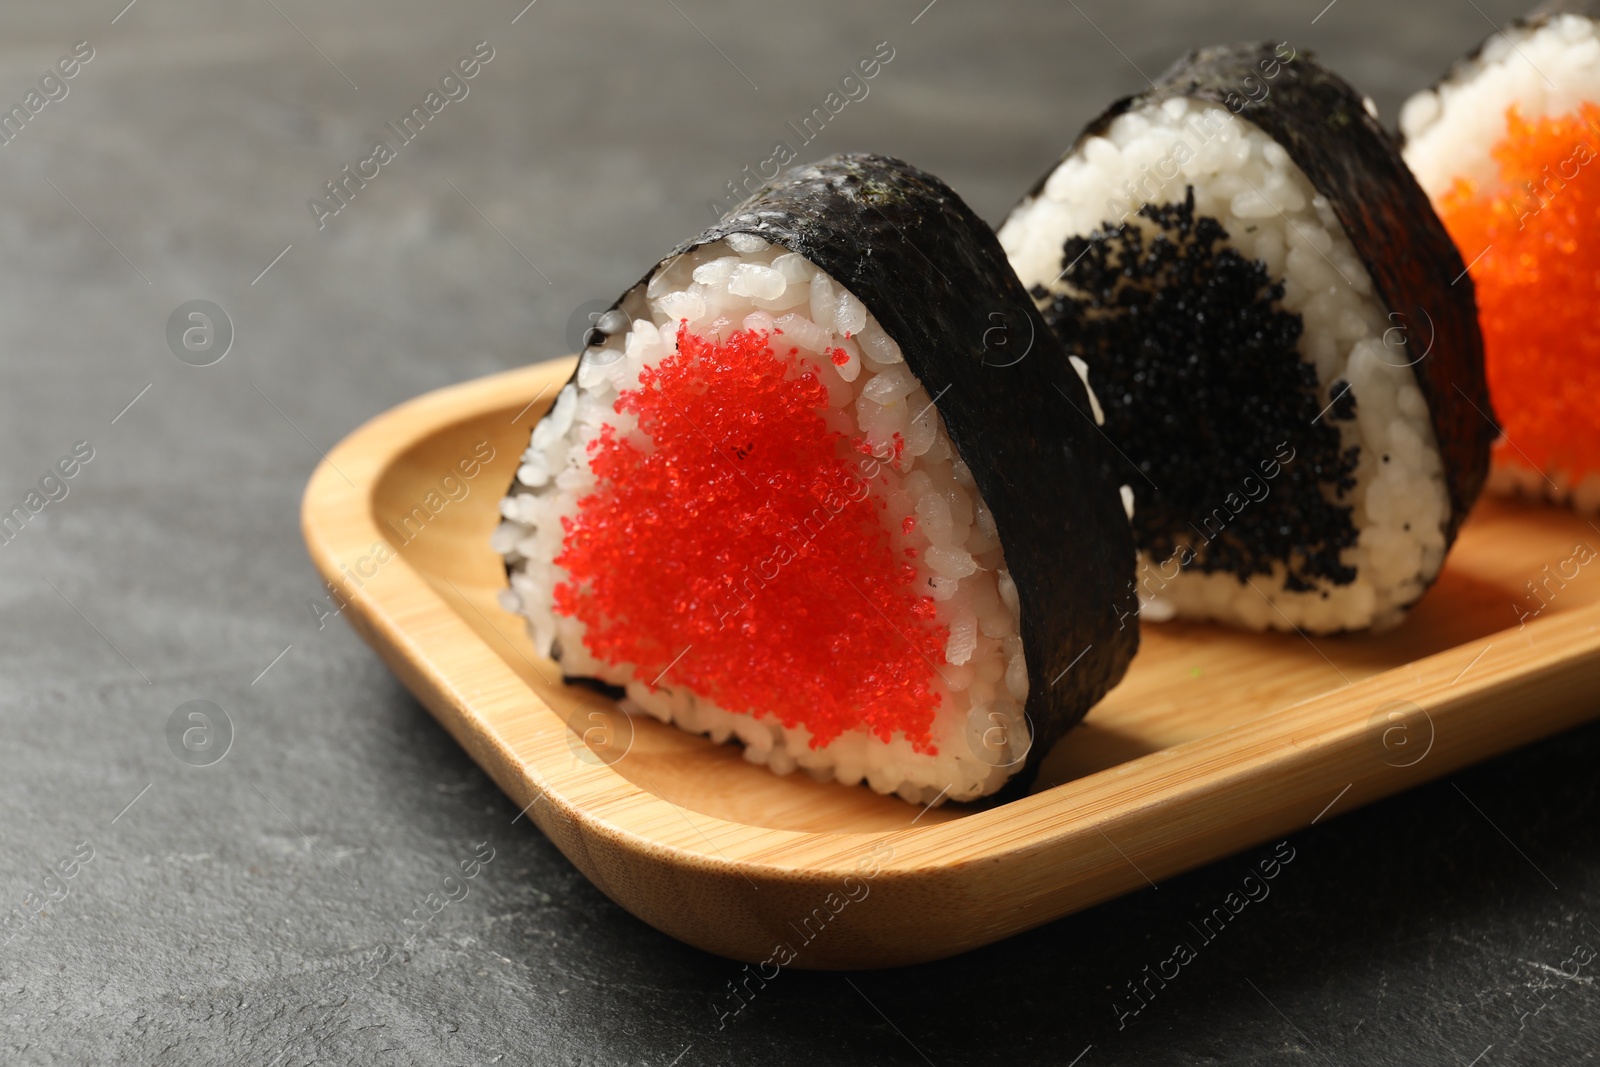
(1537, 272)
(737, 546)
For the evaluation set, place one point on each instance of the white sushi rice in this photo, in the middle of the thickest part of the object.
(743, 282)
(1545, 72)
(1272, 213)
(1510, 476)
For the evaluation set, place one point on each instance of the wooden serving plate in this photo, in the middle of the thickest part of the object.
(1217, 741)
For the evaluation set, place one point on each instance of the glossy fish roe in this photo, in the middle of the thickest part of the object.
(1538, 286)
(736, 546)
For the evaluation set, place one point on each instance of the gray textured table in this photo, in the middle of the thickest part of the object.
(225, 912)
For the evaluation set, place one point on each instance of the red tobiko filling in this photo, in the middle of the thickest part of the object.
(1536, 266)
(737, 546)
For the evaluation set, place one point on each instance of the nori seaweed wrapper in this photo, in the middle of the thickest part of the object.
(1417, 272)
(1544, 12)
(933, 275)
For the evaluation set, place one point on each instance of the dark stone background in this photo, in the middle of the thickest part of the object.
(226, 915)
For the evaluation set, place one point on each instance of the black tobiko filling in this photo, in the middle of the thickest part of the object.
(1196, 364)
